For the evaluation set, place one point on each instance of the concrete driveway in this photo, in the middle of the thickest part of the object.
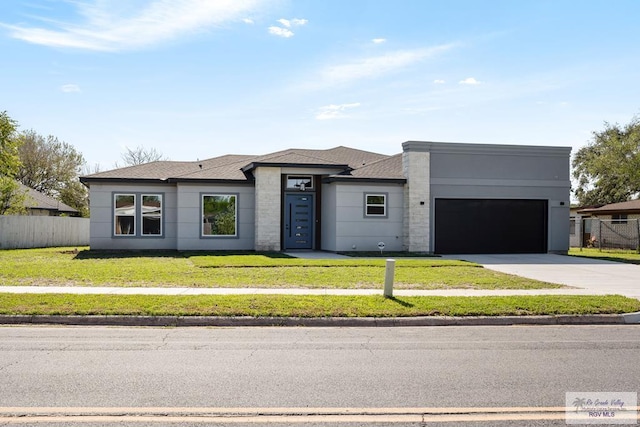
(596, 275)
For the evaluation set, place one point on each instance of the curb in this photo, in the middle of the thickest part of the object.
(183, 321)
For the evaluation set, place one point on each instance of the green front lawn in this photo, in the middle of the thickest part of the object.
(68, 266)
(311, 306)
(618, 255)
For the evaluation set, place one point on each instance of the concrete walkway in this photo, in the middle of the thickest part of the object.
(316, 255)
(593, 275)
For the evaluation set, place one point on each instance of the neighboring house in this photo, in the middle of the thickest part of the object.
(432, 197)
(575, 227)
(39, 204)
(616, 225)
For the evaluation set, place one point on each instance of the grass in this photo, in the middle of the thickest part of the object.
(64, 266)
(70, 267)
(618, 255)
(311, 306)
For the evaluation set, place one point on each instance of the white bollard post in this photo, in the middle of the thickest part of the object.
(388, 278)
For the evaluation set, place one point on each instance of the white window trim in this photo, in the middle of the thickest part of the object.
(236, 213)
(115, 215)
(385, 196)
(159, 215)
(137, 215)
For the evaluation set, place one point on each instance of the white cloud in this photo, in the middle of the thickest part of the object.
(284, 31)
(295, 22)
(332, 111)
(469, 81)
(376, 66)
(106, 26)
(379, 40)
(439, 82)
(70, 88)
(281, 32)
(248, 21)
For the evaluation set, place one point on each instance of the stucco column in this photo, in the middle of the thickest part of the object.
(268, 206)
(417, 206)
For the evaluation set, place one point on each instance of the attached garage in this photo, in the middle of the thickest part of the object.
(486, 226)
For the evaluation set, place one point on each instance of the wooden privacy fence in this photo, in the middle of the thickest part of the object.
(17, 231)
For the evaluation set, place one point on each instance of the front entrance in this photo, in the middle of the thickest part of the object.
(298, 221)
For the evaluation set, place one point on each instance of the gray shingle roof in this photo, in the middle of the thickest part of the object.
(38, 200)
(338, 156)
(231, 167)
(389, 168)
(217, 168)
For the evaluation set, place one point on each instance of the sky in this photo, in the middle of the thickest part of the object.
(195, 79)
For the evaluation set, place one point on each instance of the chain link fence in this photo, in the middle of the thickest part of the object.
(614, 234)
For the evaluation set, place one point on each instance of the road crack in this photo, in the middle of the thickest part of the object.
(164, 342)
(366, 345)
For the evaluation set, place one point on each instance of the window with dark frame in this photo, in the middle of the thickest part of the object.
(219, 215)
(299, 182)
(619, 219)
(375, 205)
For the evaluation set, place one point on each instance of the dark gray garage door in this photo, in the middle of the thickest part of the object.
(490, 226)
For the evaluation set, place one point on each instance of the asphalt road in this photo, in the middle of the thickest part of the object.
(190, 375)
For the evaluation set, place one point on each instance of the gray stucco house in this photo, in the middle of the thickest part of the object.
(432, 197)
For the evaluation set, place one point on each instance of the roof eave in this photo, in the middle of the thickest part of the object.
(119, 180)
(364, 180)
(211, 181)
(87, 180)
(609, 211)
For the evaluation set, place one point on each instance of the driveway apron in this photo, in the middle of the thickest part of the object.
(587, 273)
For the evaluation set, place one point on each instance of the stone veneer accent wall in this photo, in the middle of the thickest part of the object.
(416, 169)
(268, 207)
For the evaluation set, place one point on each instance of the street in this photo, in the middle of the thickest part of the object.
(180, 374)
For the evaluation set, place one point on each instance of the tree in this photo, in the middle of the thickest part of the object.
(90, 170)
(75, 194)
(51, 167)
(607, 170)
(9, 159)
(140, 155)
(11, 197)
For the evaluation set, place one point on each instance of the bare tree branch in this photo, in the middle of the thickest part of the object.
(140, 155)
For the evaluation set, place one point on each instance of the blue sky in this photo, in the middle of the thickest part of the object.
(195, 79)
